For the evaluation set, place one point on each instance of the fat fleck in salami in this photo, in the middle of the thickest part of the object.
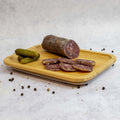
(85, 62)
(67, 67)
(61, 46)
(50, 61)
(53, 67)
(65, 60)
(83, 67)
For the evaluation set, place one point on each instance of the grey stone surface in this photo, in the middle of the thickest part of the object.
(92, 24)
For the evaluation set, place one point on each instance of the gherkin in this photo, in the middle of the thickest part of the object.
(25, 60)
(26, 56)
(20, 58)
(26, 53)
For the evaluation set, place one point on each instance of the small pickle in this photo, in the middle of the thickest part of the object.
(26, 53)
(28, 59)
(36, 58)
(20, 58)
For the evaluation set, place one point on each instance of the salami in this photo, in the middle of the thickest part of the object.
(61, 46)
(65, 60)
(67, 67)
(50, 61)
(53, 67)
(83, 67)
(85, 62)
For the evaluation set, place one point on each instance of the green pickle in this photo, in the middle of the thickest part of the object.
(26, 53)
(26, 56)
(28, 59)
(20, 58)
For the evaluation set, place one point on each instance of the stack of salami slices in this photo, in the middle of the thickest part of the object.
(68, 65)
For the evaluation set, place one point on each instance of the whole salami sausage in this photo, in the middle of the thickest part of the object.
(61, 46)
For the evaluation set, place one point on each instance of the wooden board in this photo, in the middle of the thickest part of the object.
(103, 61)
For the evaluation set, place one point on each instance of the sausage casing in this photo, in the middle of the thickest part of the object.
(61, 46)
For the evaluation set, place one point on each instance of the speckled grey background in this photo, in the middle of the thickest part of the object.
(92, 24)
(80, 20)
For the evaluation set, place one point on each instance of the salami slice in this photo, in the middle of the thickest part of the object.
(61, 46)
(85, 62)
(53, 67)
(83, 67)
(65, 60)
(67, 67)
(50, 61)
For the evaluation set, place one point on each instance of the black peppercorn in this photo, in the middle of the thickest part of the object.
(14, 89)
(21, 94)
(11, 79)
(112, 64)
(22, 87)
(103, 48)
(35, 89)
(53, 92)
(28, 86)
(11, 73)
(112, 51)
(103, 88)
(48, 89)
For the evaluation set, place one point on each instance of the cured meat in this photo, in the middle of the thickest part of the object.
(53, 67)
(67, 67)
(50, 61)
(65, 60)
(61, 46)
(85, 62)
(83, 67)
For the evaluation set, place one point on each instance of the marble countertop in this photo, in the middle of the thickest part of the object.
(92, 24)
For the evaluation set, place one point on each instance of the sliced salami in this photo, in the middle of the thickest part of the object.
(85, 62)
(50, 61)
(65, 60)
(61, 46)
(53, 67)
(83, 67)
(67, 67)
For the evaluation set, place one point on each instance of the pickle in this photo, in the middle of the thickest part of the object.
(36, 58)
(28, 59)
(20, 58)
(26, 53)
